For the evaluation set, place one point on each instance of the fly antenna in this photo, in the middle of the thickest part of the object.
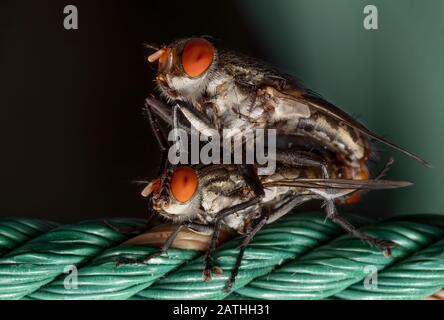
(151, 46)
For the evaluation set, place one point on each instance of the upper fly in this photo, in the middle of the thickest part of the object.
(235, 91)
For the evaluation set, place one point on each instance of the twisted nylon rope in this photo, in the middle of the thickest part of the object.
(301, 256)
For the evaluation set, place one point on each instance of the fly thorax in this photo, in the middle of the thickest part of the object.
(231, 101)
(214, 202)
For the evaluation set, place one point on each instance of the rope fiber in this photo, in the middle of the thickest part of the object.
(300, 256)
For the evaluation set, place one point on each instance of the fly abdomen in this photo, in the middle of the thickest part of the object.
(340, 139)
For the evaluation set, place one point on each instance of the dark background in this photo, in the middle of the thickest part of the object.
(73, 138)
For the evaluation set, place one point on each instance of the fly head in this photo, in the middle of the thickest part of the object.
(184, 68)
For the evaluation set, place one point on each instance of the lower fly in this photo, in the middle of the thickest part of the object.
(211, 198)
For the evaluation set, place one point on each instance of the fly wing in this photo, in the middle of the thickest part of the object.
(316, 102)
(339, 184)
(328, 108)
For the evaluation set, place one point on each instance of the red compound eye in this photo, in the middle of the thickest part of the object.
(184, 183)
(197, 57)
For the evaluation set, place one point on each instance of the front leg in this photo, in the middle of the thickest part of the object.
(204, 127)
(166, 245)
(153, 220)
(159, 134)
(208, 258)
(163, 249)
(169, 167)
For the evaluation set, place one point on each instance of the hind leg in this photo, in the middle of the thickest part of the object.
(333, 214)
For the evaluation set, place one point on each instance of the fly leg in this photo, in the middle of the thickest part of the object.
(153, 220)
(126, 231)
(163, 249)
(247, 171)
(197, 121)
(159, 133)
(386, 168)
(123, 230)
(333, 214)
(304, 159)
(380, 176)
(163, 111)
(266, 217)
(208, 258)
(169, 167)
(259, 224)
(155, 109)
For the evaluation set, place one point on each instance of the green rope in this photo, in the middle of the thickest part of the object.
(15, 232)
(301, 256)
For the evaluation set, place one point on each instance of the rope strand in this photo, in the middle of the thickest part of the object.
(300, 256)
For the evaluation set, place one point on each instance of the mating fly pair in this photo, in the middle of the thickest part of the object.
(322, 152)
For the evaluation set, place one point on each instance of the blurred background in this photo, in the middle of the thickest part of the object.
(72, 133)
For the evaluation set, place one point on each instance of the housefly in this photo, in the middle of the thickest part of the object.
(211, 198)
(220, 89)
(324, 157)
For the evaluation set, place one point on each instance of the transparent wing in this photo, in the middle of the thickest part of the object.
(339, 184)
(318, 103)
